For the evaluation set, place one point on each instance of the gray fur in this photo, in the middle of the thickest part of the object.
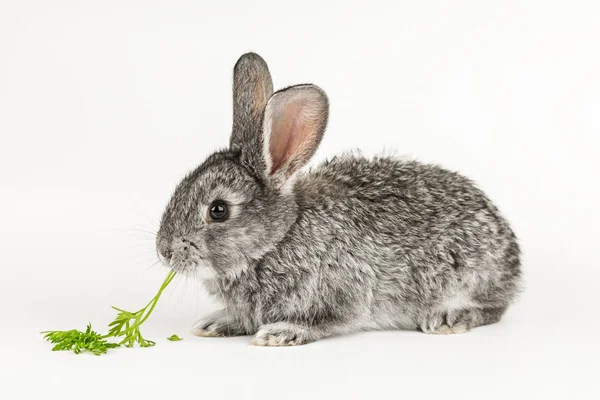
(355, 244)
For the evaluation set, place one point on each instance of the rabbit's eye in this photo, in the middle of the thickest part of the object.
(218, 211)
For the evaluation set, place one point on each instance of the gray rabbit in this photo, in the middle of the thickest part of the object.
(354, 244)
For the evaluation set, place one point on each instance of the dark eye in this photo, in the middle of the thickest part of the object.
(218, 211)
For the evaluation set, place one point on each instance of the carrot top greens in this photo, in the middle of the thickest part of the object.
(78, 341)
(125, 327)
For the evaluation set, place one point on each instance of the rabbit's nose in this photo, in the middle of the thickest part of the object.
(164, 250)
(164, 255)
(167, 253)
(163, 246)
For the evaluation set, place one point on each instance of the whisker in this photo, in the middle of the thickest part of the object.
(142, 234)
(138, 229)
(153, 223)
(144, 246)
(153, 264)
(146, 239)
(143, 252)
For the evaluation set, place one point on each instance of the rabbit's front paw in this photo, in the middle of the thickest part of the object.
(212, 329)
(281, 334)
(217, 325)
(441, 324)
(449, 330)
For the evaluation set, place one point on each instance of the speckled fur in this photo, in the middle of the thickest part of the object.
(354, 244)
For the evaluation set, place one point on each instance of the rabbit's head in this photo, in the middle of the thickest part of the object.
(239, 203)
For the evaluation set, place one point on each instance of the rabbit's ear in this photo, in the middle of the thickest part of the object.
(252, 87)
(294, 122)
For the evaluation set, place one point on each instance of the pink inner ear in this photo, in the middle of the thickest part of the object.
(288, 135)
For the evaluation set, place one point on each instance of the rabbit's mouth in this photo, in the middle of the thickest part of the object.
(183, 256)
(190, 265)
(164, 261)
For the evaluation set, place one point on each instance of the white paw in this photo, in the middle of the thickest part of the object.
(215, 325)
(444, 324)
(446, 330)
(209, 329)
(432, 322)
(281, 334)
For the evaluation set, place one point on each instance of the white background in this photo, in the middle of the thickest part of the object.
(104, 106)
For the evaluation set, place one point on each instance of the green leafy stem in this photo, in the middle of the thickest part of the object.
(126, 327)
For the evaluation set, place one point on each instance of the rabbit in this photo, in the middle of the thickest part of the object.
(354, 244)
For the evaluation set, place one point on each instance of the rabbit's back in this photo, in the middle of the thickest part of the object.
(391, 196)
